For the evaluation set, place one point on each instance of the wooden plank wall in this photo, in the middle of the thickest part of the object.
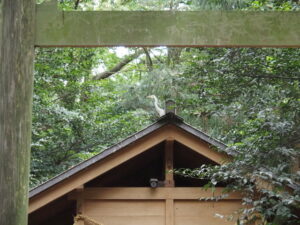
(208, 213)
(160, 212)
(159, 206)
(131, 212)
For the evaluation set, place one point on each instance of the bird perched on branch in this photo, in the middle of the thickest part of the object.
(159, 110)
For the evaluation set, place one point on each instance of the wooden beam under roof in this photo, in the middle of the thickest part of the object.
(161, 193)
(165, 28)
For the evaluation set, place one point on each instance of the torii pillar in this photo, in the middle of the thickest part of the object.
(17, 18)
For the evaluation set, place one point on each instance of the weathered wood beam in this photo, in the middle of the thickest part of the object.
(16, 81)
(162, 193)
(165, 28)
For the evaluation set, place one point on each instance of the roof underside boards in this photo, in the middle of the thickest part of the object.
(150, 164)
(168, 126)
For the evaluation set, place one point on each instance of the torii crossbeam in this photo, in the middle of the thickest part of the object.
(165, 28)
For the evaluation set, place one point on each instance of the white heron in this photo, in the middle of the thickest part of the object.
(160, 111)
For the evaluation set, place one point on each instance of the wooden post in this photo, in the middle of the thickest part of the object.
(80, 203)
(169, 177)
(169, 211)
(16, 80)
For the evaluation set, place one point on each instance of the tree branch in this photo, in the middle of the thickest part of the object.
(76, 4)
(148, 59)
(119, 66)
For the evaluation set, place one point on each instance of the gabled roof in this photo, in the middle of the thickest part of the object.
(168, 119)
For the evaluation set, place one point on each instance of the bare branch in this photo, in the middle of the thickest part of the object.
(119, 66)
(148, 59)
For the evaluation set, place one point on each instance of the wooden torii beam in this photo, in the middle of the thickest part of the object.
(165, 28)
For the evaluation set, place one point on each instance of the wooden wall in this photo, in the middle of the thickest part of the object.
(129, 212)
(149, 212)
(205, 212)
(157, 206)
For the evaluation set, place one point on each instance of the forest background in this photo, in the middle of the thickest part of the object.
(85, 100)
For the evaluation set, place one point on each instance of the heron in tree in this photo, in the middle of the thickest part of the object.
(159, 110)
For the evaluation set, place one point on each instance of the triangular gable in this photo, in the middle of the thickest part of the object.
(168, 127)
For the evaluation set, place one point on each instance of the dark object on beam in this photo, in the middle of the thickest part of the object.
(154, 183)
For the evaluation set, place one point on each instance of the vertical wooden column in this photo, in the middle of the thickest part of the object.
(169, 211)
(169, 177)
(17, 18)
(80, 203)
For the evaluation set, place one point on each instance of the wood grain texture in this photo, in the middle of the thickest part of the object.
(165, 211)
(16, 80)
(126, 212)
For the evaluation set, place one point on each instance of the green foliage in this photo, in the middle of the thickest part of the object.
(278, 5)
(182, 5)
(256, 91)
(248, 98)
(75, 117)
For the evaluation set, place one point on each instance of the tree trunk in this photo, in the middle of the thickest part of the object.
(16, 79)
